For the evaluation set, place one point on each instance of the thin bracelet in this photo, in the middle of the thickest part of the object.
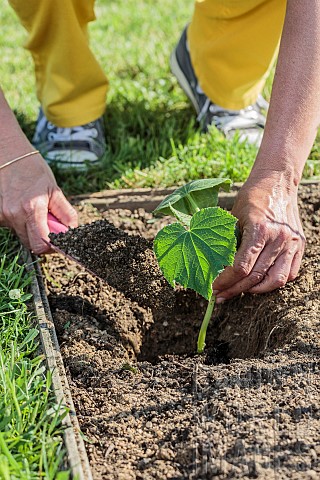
(19, 158)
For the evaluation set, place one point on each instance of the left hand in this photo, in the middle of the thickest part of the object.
(272, 243)
(28, 190)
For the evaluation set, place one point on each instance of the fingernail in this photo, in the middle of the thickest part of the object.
(220, 300)
(215, 292)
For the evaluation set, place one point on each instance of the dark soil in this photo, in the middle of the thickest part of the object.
(126, 262)
(150, 407)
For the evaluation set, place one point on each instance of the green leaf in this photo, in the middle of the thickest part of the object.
(194, 195)
(195, 257)
(182, 217)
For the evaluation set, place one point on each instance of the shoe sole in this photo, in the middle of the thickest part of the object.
(66, 159)
(79, 167)
(182, 79)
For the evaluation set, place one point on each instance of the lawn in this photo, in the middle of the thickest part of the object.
(152, 136)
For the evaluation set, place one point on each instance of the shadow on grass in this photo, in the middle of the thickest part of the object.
(136, 138)
(25, 123)
(140, 133)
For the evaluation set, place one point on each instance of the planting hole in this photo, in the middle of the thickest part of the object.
(241, 328)
(149, 327)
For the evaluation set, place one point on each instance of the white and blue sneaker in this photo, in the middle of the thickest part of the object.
(76, 147)
(249, 121)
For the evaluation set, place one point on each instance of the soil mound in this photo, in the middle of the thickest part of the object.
(125, 262)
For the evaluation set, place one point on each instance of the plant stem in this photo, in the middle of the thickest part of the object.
(193, 206)
(205, 323)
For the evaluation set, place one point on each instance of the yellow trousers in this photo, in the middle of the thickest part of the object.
(71, 85)
(232, 45)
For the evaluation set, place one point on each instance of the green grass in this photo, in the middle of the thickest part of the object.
(152, 136)
(31, 444)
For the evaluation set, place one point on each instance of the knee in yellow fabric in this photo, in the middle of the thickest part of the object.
(71, 86)
(233, 44)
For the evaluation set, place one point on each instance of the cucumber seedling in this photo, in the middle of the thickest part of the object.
(194, 250)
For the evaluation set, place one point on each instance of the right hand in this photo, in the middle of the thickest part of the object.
(28, 190)
(272, 241)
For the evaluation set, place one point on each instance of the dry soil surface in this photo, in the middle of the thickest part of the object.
(152, 409)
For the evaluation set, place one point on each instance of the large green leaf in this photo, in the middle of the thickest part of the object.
(194, 195)
(194, 257)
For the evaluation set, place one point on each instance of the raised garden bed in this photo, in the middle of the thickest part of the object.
(76, 461)
(152, 409)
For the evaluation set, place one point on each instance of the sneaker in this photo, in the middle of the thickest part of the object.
(75, 147)
(249, 121)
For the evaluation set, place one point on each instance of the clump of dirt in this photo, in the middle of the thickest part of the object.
(152, 409)
(126, 262)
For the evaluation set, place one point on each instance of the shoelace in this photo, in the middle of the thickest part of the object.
(244, 118)
(74, 133)
(226, 119)
(66, 134)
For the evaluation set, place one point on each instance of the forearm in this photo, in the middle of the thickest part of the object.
(13, 142)
(293, 116)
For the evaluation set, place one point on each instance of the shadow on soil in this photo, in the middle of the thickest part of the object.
(151, 336)
(77, 305)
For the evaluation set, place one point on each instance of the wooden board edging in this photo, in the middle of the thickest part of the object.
(76, 452)
(149, 198)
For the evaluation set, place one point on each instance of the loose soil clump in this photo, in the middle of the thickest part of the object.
(125, 262)
(150, 407)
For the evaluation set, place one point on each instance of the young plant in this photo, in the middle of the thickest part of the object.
(194, 250)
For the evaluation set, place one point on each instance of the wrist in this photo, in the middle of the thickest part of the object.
(283, 154)
(279, 166)
(265, 176)
(14, 147)
(17, 159)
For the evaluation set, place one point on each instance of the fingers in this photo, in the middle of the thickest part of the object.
(295, 266)
(30, 220)
(62, 210)
(25, 203)
(37, 221)
(284, 270)
(12, 217)
(262, 278)
(256, 275)
(272, 243)
(260, 269)
(251, 247)
(276, 276)
(30, 228)
(37, 228)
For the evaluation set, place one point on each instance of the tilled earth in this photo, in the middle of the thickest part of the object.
(152, 409)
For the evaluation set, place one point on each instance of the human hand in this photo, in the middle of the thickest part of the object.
(28, 190)
(272, 243)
